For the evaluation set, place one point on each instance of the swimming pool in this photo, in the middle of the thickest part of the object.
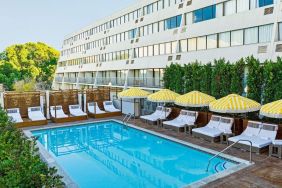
(109, 154)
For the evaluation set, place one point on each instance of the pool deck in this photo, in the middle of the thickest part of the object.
(266, 172)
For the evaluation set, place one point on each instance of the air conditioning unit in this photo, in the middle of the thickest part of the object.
(175, 31)
(178, 57)
(169, 58)
(127, 62)
(268, 10)
(137, 40)
(180, 6)
(136, 21)
(262, 49)
(132, 61)
(278, 48)
(141, 19)
(189, 3)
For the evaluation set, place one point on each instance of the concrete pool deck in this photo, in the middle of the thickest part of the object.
(266, 172)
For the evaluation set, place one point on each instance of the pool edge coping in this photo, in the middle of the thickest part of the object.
(47, 157)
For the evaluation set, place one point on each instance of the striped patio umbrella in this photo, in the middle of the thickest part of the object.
(194, 99)
(133, 93)
(163, 96)
(234, 104)
(272, 110)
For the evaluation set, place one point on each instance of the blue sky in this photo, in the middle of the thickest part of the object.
(50, 20)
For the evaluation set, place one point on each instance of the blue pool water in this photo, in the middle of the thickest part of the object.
(106, 154)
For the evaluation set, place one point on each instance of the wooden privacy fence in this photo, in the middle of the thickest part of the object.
(64, 98)
(22, 100)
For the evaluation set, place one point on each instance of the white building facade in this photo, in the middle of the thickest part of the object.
(132, 47)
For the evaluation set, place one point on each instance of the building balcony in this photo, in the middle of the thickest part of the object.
(59, 79)
(145, 82)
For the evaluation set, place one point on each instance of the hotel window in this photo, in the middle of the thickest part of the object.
(160, 5)
(156, 50)
(265, 33)
(224, 39)
(173, 47)
(136, 52)
(161, 26)
(203, 14)
(162, 49)
(251, 35)
(141, 53)
(168, 48)
(262, 3)
(229, 7)
(183, 45)
(237, 38)
(280, 31)
(145, 51)
(243, 5)
(201, 43)
(192, 44)
(156, 27)
(188, 18)
(212, 41)
(150, 51)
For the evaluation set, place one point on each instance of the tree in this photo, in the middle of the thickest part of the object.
(35, 61)
(20, 163)
(8, 75)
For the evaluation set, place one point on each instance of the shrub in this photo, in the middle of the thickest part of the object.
(20, 163)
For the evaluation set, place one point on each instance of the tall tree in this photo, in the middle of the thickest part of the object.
(35, 61)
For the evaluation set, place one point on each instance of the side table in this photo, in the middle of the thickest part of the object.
(188, 129)
(224, 137)
(275, 149)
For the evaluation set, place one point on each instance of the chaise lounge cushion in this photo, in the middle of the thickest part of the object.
(212, 132)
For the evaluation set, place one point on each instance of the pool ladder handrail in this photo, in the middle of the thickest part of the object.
(126, 118)
(250, 160)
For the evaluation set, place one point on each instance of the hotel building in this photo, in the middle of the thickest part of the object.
(133, 46)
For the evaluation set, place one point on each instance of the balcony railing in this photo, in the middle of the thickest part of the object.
(145, 82)
(59, 79)
(131, 81)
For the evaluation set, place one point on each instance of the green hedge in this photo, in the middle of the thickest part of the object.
(20, 163)
(262, 80)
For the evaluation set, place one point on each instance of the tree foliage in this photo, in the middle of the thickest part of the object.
(173, 78)
(35, 61)
(20, 164)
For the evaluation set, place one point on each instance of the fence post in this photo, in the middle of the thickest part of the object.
(47, 104)
(2, 100)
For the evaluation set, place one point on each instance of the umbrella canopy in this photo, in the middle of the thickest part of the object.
(133, 93)
(234, 104)
(272, 110)
(194, 99)
(164, 95)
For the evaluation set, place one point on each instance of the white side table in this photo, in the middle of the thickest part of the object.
(275, 149)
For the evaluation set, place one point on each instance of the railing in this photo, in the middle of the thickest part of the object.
(145, 82)
(250, 160)
(127, 118)
(59, 79)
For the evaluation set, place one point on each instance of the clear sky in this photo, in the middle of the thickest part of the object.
(50, 20)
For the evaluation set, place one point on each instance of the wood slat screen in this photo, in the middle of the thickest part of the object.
(22, 101)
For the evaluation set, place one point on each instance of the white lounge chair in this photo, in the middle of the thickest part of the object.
(158, 116)
(261, 136)
(217, 126)
(14, 114)
(35, 114)
(109, 107)
(59, 112)
(75, 110)
(157, 113)
(185, 118)
(93, 108)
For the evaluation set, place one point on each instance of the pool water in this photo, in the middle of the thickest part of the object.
(108, 154)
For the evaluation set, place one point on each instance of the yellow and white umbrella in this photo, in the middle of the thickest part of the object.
(194, 99)
(133, 93)
(272, 110)
(163, 96)
(234, 104)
